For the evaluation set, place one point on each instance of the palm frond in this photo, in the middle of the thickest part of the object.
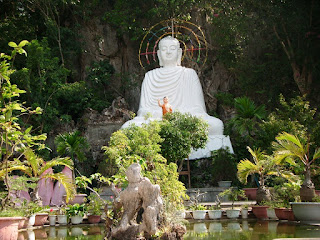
(33, 161)
(65, 181)
(66, 161)
(246, 168)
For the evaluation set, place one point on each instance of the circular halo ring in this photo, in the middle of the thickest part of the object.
(192, 37)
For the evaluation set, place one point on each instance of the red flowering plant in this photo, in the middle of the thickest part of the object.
(52, 211)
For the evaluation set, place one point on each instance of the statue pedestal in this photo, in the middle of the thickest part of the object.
(215, 142)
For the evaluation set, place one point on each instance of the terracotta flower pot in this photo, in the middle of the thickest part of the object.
(251, 193)
(78, 198)
(289, 214)
(9, 227)
(22, 222)
(260, 211)
(280, 213)
(94, 218)
(41, 218)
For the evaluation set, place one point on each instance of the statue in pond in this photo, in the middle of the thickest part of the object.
(182, 86)
(140, 194)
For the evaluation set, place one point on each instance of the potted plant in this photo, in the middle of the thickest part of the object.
(199, 211)
(62, 217)
(244, 211)
(215, 211)
(233, 194)
(95, 206)
(76, 212)
(9, 223)
(290, 147)
(262, 165)
(72, 144)
(52, 217)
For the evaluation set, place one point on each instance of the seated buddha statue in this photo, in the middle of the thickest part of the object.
(182, 86)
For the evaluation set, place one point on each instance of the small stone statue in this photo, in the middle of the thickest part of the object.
(140, 193)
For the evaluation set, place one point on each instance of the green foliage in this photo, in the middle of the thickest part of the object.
(76, 210)
(142, 145)
(182, 133)
(99, 79)
(198, 207)
(95, 204)
(129, 16)
(41, 77)
(17, 144)
(72, 144)
(223, 167)
(233, 194)
(294, 116)
(262, 164)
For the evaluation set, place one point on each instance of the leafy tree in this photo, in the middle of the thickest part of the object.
(182, 133)
(41, 78)
(17, 143)
(142, 145)
(245, 124)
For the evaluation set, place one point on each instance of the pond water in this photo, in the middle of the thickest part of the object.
(221, 230)
(249, 230)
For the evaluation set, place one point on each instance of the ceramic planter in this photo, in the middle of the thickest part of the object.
(306, 211)
(31, 220)
(9, 227)
(62, 219)
(224, 184)
(260, 211)
(244, 213)
(233, 213)
(199, 214)
(76, 219)
(271, 213)
(251, 193)
(40, 219)
(52, 220)
(94, 218)
(215, 214)
(78, 198)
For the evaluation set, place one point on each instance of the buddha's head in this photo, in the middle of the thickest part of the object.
(169, 52)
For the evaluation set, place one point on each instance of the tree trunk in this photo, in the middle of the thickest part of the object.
(263, 194)
(307, 190)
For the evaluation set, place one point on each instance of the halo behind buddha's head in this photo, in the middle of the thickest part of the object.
(176, 41)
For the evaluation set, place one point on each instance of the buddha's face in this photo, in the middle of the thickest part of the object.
(169, 52)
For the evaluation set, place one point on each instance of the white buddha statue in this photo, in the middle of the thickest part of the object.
(183, 89)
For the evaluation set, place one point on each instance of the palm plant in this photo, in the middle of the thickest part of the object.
(289, 146)
(247, 115)
(262, 165)
(72, 144)
(34, 167)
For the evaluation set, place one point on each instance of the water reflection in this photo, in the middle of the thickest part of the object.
(249, 230)
(200, 228)
(215, 227)
(64, 233)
